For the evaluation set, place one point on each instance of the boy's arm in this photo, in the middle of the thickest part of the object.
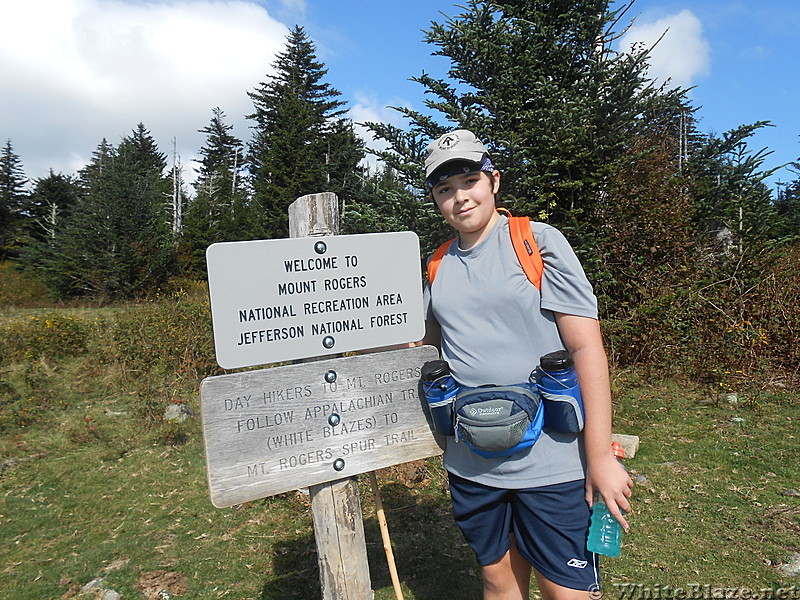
(584, 341)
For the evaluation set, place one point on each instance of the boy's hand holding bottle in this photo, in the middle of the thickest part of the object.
(609, 501)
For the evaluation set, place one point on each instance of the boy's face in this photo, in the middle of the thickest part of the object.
(466, 201)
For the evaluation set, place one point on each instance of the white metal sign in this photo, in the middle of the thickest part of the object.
(273, 430)
(279, 300)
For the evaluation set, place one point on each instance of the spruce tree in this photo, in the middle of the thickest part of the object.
(49, 206)
(301, 142)
(788, 207)
(49, 203)
(93, 178)
(117, 243)
(540, 83)
(12, 199)
(221, 210)
(382, 204)
(727, 180)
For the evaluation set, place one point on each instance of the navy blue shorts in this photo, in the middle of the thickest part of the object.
(549, 524)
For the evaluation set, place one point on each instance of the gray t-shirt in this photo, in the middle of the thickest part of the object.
(495, 326)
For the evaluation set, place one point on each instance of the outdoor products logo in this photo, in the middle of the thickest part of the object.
(476, 411)
(449, 141)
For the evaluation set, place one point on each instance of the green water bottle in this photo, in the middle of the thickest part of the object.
(605, 532)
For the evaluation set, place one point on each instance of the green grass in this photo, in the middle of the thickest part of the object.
(93, 484)
(713, 508)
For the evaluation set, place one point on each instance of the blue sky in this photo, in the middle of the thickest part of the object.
(76, 71)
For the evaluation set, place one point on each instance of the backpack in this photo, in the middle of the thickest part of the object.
(524, 246)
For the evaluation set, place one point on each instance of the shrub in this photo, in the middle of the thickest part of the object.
(735, 327)
(51, 335)
(20, 290)
(171, 333)
(29, 393)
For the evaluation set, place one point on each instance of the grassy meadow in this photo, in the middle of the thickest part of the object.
(95, 484)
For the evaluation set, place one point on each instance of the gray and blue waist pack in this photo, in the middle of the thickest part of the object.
(498, 420)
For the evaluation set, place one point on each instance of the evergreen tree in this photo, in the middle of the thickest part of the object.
(12, 198)
(49, 203)
(301, 143)
(94, 177)
(541, 85)
(539, 82)
(222, 153)
(221, 210)
(222, 179)
(343, 161)
(382, 204)
(49, 206)
(117, 242)
(788, 207)
(728, 185)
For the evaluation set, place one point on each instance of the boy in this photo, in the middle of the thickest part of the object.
(530, 509)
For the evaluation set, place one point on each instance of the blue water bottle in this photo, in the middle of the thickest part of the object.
(440, 391)
(557, 382)
(605, 532)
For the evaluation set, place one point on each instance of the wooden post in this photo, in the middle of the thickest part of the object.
(341, 547)
(313, 215)
(335, 506)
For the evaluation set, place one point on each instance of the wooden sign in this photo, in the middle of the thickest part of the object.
(279, 300)
(275, 430)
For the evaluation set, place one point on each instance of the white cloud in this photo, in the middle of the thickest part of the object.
(683, 55)
(369, 108)
(76, 71)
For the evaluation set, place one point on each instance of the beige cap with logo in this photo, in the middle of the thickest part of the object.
(456, 145)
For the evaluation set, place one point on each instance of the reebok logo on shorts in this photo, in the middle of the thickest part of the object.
(578, 564)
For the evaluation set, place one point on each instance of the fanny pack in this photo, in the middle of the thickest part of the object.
(563, 413)
(498, 420)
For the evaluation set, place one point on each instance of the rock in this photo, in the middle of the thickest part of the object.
(94, 584)
(115, 413)
(95, 587)
(791, 569)
(177, 413)
(629, 443)
(791, 492)
(731, 399)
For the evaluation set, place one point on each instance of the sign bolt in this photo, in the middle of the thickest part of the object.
(334, 419)
(338, 464)
(328, 342)
(330, 376)
(320, 247)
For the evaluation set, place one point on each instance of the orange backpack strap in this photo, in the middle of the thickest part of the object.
(436, 259)
(525, 247)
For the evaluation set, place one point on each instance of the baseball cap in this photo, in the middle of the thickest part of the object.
(458, 167)
(457, 145)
